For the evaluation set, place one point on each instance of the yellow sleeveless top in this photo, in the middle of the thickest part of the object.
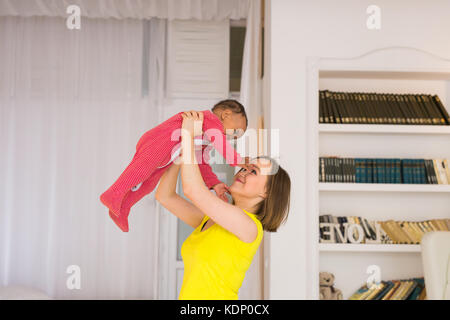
(215, 262)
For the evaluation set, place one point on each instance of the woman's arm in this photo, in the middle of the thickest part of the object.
(167, 196)
(226, 215)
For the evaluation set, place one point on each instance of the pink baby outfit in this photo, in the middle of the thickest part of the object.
(155, 152)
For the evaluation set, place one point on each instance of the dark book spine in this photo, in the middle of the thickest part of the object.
(390, 114)
(358, 170)
(353, 167)
(416, 166)
(414, 115)
(423, 172)
(420, 118)
(336, 168)
(384, 112)
(344, 170)
(329, 105)
(331, 164)
(394, 105)
(321, 112)
(363, 100)
(404, 108)
(406, 177)
(372, 100)
(431, 171)
(327, 109)
(442, 110)
(398, 173)
(395, 111)
(320, 169)
(364, 170)
(344, 107)
(426, 116)
(431, 108)
(352, 116)
(380, 171)
(358, 106)
(335, 105)
(388, 170)
(374, 170)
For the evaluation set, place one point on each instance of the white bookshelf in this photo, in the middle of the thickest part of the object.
(340, 247)
(383, 187)
(390, 129)
(391, 70)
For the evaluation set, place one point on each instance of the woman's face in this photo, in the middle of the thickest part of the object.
(252, 183)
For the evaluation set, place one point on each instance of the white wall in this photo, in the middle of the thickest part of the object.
(296, 30)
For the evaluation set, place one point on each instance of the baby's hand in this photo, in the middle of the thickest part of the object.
(221, 189)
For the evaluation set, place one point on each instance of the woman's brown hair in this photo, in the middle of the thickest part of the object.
(274, 209)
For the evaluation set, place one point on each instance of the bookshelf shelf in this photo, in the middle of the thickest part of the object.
(385, 129)
(340, 247)
(383, 187)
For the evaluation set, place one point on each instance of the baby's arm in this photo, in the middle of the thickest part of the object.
(224, 147)
(209, 177)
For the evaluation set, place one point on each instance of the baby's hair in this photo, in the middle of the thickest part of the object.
(233, 105)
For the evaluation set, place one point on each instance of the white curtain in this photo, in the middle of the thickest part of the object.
(73, 104)
(251, 98)
(137, 9)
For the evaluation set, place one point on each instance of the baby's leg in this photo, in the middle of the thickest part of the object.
(143, 165)
(133, 197)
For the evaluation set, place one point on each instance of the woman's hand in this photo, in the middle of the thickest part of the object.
(193, 122)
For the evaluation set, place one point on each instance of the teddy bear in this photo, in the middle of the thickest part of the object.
(327, 291)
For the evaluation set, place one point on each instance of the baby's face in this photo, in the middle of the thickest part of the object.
(234, 125)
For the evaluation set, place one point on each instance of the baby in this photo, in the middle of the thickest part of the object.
(157, 149)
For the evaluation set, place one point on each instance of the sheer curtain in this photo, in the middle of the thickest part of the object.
(73, 104)
(137, 9)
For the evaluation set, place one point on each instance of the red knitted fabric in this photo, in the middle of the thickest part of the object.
(153, 157)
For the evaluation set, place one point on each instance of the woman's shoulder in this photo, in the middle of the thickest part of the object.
(258, 223)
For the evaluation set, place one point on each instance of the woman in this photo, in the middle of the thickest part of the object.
(221, 248)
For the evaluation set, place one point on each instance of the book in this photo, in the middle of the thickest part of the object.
(376, 289)
(387, 286)
(441, 108)
(399, 291)
(418, 289)
(394, 288)
(359, 293)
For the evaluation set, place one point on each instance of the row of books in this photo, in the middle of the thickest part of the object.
(383, 232)
(381, 108)
(382, 170)
(408, 289)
